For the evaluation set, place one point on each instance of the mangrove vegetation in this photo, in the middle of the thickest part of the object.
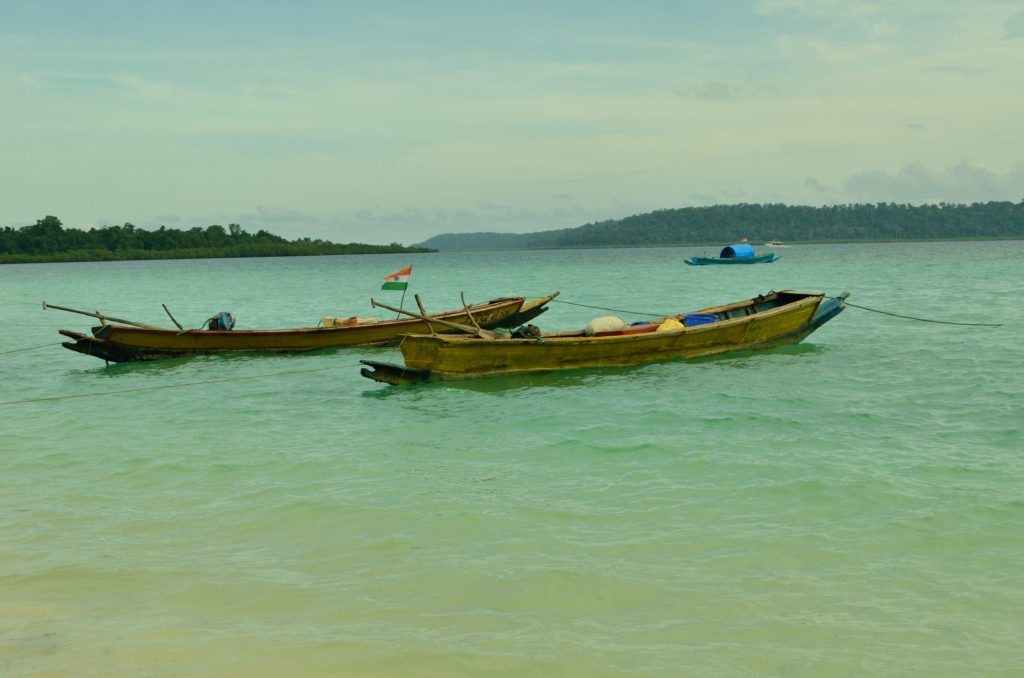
(47, 240)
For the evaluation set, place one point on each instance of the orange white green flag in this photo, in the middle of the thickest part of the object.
(398, 280)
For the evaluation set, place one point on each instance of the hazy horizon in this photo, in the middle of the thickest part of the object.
(399, 122)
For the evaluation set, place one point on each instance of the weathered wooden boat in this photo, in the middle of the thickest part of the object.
(118, 340)
(766, 321)
(740, 253)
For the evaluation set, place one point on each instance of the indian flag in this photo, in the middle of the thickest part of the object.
(398, 280)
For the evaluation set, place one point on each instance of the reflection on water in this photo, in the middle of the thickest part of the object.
(575, 378)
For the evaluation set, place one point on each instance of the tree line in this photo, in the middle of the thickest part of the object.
(48, 240)
(724, 224)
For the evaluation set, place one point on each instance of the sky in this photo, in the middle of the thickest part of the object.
(384, 122)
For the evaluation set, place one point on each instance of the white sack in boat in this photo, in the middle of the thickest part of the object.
(605, 323)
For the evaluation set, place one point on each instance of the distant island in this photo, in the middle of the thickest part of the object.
(48, 241)
(723, 224)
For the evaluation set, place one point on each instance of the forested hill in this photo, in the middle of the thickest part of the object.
(761, 223)
(48, 240)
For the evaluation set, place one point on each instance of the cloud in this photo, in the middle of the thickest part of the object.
(965, 181)
(817, 186)
(1015, 27)
(823, 9)
(715, 91)
(147, 88)
(727, 197)
(495, 206)
(724, 91)
(960, 70)
(283, 215)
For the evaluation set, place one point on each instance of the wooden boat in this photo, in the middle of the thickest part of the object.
(740, 253)
(765, 321)
(118, 340)
(760, 259)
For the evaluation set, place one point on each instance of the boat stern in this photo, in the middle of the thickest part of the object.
(527, 312)
(390, 373)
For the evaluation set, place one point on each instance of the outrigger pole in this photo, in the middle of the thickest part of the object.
(484, 334)
(102, 318)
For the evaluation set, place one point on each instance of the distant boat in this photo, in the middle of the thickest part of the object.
(776, 243)
(740, 253)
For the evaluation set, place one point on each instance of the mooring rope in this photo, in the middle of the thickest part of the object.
(617, 310)
(15, 301)
(29, 348)
(873, 310)
(50, 325)
(187, 383)
(924, 320)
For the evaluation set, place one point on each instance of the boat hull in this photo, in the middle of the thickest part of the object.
(117, 343)
(711, 261)
(763, 322)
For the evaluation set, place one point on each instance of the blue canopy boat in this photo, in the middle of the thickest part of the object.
(740, 253)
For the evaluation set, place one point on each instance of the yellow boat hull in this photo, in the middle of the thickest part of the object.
(741, 326)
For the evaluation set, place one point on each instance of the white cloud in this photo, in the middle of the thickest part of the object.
(147, 88)
(275, 214)
(1015, 27)
(966, 181)
(713, 91)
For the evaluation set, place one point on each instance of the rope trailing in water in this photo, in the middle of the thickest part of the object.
(163, 386)
(617, 310)
(15, 301)
(924, 320)
(30, 348)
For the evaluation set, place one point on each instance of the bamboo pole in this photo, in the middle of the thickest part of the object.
(424, 312)
(485, 334)
(172, 317)
(462, 295)
(103, 318)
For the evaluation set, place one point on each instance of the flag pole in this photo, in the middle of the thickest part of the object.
(401, 304)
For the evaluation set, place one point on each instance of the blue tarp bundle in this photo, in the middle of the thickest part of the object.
(739, 251)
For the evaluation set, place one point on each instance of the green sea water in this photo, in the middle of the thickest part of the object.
(852, 505)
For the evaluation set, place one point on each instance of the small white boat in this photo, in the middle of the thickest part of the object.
(775, 243)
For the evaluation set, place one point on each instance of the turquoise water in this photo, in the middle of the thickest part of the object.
(847, 506)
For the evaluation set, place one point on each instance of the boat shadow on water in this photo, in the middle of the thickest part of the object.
(587, 377)
(226, 363)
